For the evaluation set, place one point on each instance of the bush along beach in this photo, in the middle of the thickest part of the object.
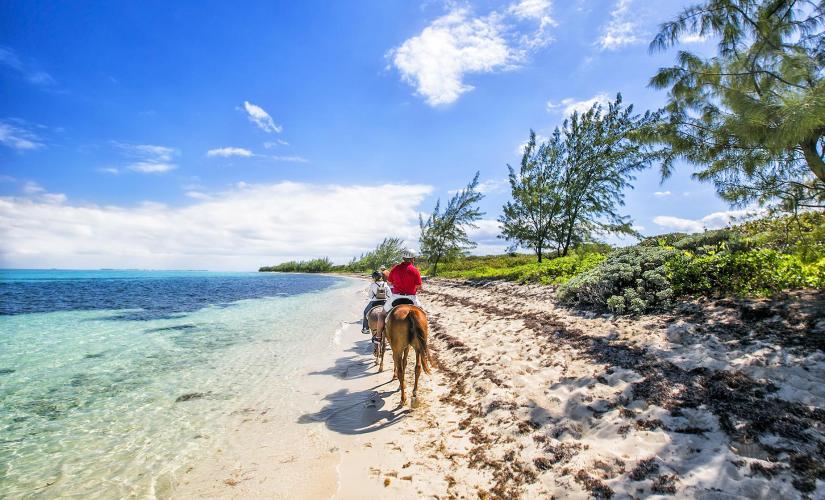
(757, 258)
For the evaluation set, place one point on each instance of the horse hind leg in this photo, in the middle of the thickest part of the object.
(382, 348)
(397, 358)
(415, 401)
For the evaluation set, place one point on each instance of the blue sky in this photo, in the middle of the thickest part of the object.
(210, 135)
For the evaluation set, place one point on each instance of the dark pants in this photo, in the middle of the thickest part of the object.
(372, 303)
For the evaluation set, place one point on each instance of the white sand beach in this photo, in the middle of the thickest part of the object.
(530, 399)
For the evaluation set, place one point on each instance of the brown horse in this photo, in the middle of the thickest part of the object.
(375, 319)
(406, 325)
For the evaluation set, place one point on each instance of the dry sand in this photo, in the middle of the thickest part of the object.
(721, 399)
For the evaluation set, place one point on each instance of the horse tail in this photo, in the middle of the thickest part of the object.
(416, 331)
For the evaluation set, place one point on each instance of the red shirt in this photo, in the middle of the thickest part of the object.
(404, 278)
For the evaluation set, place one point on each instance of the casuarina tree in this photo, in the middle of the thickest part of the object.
(573, 185)
(444, 234)
(529, 219)
(751, 118)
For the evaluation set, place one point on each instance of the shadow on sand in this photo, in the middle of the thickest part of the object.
(357, 412)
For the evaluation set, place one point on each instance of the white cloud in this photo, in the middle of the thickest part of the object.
(197, 195)
(261, 118)
(55, 198)
(18, 138)
(437, 60)
(486, 237)
(694, 38)
(145, 158)
(662, 194)
(31, 187)
(10, 59)
(34, 191)
(229, 151)
(532, 9)
(488, 186)
(151, 167)
(622, 29)
(716, 220)
(244, 227)
(569, 105)
(293, 159)
(275, 143)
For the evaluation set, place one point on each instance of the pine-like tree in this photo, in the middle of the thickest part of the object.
(573, 185)
(752, 117)
(529, 219)
(444, 235)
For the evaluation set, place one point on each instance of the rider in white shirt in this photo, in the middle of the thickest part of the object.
(377, 296)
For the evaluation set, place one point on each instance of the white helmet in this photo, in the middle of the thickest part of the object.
(409, 253)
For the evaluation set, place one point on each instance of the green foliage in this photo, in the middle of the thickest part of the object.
(303, 266)
(712, 241)
(757, 258)
(630, 280)
(444, 235)
(387, 253)
(752, 118)
(573, 185)
(802, 235)
(474, 262)
(552, 271)
(760, 272)
(536, 209)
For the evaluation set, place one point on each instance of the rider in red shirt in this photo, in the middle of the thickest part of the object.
(405, 280)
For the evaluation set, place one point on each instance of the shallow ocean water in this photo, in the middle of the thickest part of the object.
(113, 381)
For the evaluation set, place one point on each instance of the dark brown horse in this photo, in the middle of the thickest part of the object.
(375, 319)
(406, 325)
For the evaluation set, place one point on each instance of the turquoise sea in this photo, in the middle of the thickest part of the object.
(112, 381)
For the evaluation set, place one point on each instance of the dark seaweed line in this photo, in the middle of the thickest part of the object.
(738, 401)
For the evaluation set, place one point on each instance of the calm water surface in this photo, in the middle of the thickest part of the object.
(111, 381)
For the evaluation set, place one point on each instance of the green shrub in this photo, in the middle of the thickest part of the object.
(802, 235)
(759, 272)
(712, 241)
(663, 240)
(629, 280)
(303, 266)
(478, 262)
(552, 271)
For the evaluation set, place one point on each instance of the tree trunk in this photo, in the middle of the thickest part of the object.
(538, 252)
(813, 158)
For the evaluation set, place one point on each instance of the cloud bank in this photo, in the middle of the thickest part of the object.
(242, 228)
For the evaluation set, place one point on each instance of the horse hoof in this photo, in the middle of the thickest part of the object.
(415, 403)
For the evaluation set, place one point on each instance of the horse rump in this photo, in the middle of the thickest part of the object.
(417, 332)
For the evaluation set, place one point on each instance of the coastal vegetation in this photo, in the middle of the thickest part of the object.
(322, 265)
(755, 258)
